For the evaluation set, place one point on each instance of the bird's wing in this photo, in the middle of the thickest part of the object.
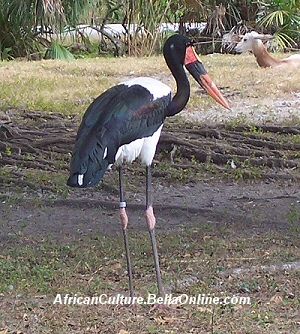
(117, 117)
(97, 110)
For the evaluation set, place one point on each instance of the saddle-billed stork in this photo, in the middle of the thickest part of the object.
(125, 122)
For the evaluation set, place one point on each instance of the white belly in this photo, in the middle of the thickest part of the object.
(143, 148)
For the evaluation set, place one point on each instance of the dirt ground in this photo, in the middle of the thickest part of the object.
(266, 199)
(247, 206)
(244, 177)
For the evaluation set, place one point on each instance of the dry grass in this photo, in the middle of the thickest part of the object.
(33, 270)
(193, 262)
(69, 87)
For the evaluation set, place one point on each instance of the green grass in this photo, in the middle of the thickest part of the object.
(192, 263)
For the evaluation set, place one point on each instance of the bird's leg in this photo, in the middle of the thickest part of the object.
(150, 218)
(124, 222)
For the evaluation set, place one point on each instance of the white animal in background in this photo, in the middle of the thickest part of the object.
(253, 41)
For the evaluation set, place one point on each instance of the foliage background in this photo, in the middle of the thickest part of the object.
(25, 25)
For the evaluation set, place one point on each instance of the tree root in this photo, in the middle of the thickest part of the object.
(44, 141)
(220, 146)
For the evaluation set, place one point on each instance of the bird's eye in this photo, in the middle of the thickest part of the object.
(245, 39)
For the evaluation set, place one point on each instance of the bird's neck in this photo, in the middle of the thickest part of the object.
(182, 95)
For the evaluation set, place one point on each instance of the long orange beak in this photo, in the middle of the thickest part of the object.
(197, 70)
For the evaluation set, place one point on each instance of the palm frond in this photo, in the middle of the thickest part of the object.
(284, 40)
(58, 51)
(276, 18)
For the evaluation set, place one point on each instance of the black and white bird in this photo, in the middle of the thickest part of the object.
(125, 122)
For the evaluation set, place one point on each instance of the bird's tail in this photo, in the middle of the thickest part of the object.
(88, 163)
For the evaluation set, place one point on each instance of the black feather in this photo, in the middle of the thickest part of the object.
(119, 116)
